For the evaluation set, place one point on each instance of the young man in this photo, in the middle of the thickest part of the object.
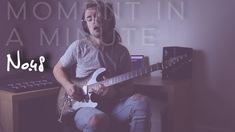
(102, 48)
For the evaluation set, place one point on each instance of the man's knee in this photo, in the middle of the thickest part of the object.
(140, 101)
(141, 113)
(139, 97)
(98, 120)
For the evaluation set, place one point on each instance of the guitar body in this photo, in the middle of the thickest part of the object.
(66, 104)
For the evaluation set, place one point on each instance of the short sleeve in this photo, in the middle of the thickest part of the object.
(69, 57)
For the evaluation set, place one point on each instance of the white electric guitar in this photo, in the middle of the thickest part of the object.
(67, 104)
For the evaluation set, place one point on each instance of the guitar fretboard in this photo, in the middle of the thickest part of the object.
(129, 75)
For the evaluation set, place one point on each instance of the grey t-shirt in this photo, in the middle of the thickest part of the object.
(88, 58)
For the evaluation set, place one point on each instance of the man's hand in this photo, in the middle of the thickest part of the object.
(74, 92)
(100, 89)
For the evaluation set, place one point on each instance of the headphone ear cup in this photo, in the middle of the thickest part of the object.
(85, 28)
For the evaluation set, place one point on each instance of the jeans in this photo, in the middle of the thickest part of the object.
(133, 111)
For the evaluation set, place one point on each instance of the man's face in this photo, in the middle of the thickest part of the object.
(94, 18)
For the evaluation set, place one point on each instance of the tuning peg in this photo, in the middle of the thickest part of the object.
(166, 67)
(178, 60)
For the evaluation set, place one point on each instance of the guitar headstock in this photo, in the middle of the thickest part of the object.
(181, 64)
(176, 61)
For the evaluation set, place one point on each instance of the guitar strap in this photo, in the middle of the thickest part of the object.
(105, 57)
(108, 103)
(102, 60)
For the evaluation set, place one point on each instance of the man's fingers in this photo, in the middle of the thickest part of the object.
(104, 77)
(71, 91)
(101, 88)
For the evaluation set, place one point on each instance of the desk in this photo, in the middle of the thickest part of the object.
(178, 114)
(177, 117)
(9, 106)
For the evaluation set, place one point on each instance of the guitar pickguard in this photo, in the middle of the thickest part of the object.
(66, 104)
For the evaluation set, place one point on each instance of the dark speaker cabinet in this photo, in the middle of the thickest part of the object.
(177, 63)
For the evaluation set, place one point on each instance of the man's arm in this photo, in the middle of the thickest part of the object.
(63, 79)
(61, 75)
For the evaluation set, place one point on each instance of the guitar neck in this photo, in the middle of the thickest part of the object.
(130, 75)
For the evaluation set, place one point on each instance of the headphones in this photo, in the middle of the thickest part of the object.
(107, 11)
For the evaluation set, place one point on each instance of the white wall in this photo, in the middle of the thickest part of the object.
(208, 27)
